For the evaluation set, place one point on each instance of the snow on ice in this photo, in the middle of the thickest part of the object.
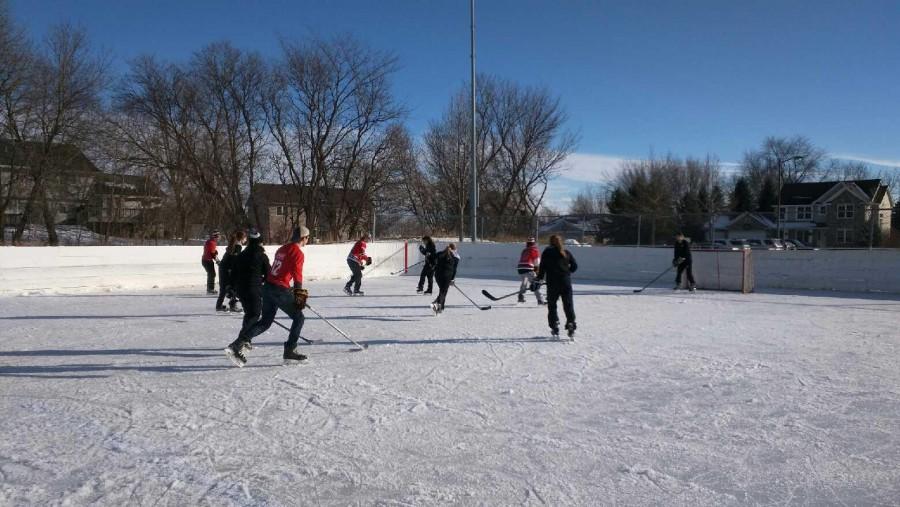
(665, 398)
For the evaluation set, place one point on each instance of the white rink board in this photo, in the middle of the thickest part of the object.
(72, 269)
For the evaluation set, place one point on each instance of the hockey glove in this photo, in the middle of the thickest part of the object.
(676, 262)
(368, 261)
(422, 249)
(300, 297)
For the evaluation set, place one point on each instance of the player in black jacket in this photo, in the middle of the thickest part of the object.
(683, 262)
(248, 274)
(557, 265)
(445, 274)
(226, 287)
(429, 251)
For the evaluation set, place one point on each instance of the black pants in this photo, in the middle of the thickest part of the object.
(277, 298)
(554, 293)
(685, 266)
(225, 291)
(356, 277)
(210, 268)
(251, 300)
(427, 273)
(443, 288)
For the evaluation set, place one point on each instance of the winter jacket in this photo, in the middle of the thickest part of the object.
(358, 253)
(445, 266)
(683, 251)
(249, 268)
(226, 265)
(529, 259)
(556, 268)
(429, 251)
(210, 250)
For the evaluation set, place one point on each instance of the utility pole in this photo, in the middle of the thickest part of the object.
(473, 205)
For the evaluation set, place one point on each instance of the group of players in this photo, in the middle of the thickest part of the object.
(263, 288)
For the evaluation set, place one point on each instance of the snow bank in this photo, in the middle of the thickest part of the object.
(27, 270)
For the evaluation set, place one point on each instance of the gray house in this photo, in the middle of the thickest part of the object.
(836, 213)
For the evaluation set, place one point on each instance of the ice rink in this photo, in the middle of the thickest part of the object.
(711, 398)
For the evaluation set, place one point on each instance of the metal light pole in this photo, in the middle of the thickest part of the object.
(781, 162)
(473, 227)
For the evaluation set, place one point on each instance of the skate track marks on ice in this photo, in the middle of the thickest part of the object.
(665, 398)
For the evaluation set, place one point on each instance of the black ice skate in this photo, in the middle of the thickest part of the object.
(292, 357)
(235, 352)
(570, 330)
(347, 290)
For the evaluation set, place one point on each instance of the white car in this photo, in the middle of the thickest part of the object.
(574, 243)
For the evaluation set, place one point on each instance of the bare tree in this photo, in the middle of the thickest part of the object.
(590, 200)
(331, 114)
(59, 103)
(777, 155)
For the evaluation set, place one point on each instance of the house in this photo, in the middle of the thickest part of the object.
(277, 208)
(77, 192)
(584, 230)
(836, 213)
(745, 225)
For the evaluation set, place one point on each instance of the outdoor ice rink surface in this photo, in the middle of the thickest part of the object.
(711, 398)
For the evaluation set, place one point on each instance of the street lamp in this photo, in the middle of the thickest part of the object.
(781, 162)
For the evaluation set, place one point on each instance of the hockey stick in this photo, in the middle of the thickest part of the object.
(373, 268)
(493, 298)
(655, 279)
(488, 307)
(345, 335)
(406, 268)
(307, 340)
(511, 294)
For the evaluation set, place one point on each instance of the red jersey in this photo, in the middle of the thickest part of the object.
(358, 253)
(287, 265)
(530, 258)
(210, 250)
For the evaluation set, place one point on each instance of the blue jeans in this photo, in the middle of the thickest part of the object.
(275, 298)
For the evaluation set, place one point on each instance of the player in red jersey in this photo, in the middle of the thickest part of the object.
(210, 259)
(528, 266)
(357, 260)
(278, 293)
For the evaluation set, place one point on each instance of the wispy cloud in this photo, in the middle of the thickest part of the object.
(593, 167)
(866, 160)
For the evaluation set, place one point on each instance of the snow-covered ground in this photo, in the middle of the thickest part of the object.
(665, 399)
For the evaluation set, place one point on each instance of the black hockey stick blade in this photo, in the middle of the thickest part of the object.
(488, 295)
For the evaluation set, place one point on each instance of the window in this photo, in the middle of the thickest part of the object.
(844, 236)
(279, 210)
(804, 212)
(845, 211)
(820, 209)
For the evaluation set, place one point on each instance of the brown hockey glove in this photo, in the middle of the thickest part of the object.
(300, 297)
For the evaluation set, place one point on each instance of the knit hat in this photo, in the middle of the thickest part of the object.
(299, 233)
(530, 241)
(213, 233)
(253, 234)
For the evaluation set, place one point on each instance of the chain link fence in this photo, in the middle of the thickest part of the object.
(842, 226)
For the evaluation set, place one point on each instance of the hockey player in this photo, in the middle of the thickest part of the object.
(445, 274)
(528, 266)
(683, 262)
(357, 260)
(429, 251)
(248, 272)
(556, 266)
(226, 265)
(287, 267)
(210, 259)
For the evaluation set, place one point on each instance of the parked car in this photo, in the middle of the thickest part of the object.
(719, 244)
(774, 244)
(796, 244)
(740, 244)
(574, 243)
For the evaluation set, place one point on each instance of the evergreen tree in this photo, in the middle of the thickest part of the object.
(741, 198)
(768, 197)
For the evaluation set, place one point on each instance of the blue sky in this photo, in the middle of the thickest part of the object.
(689, 77)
